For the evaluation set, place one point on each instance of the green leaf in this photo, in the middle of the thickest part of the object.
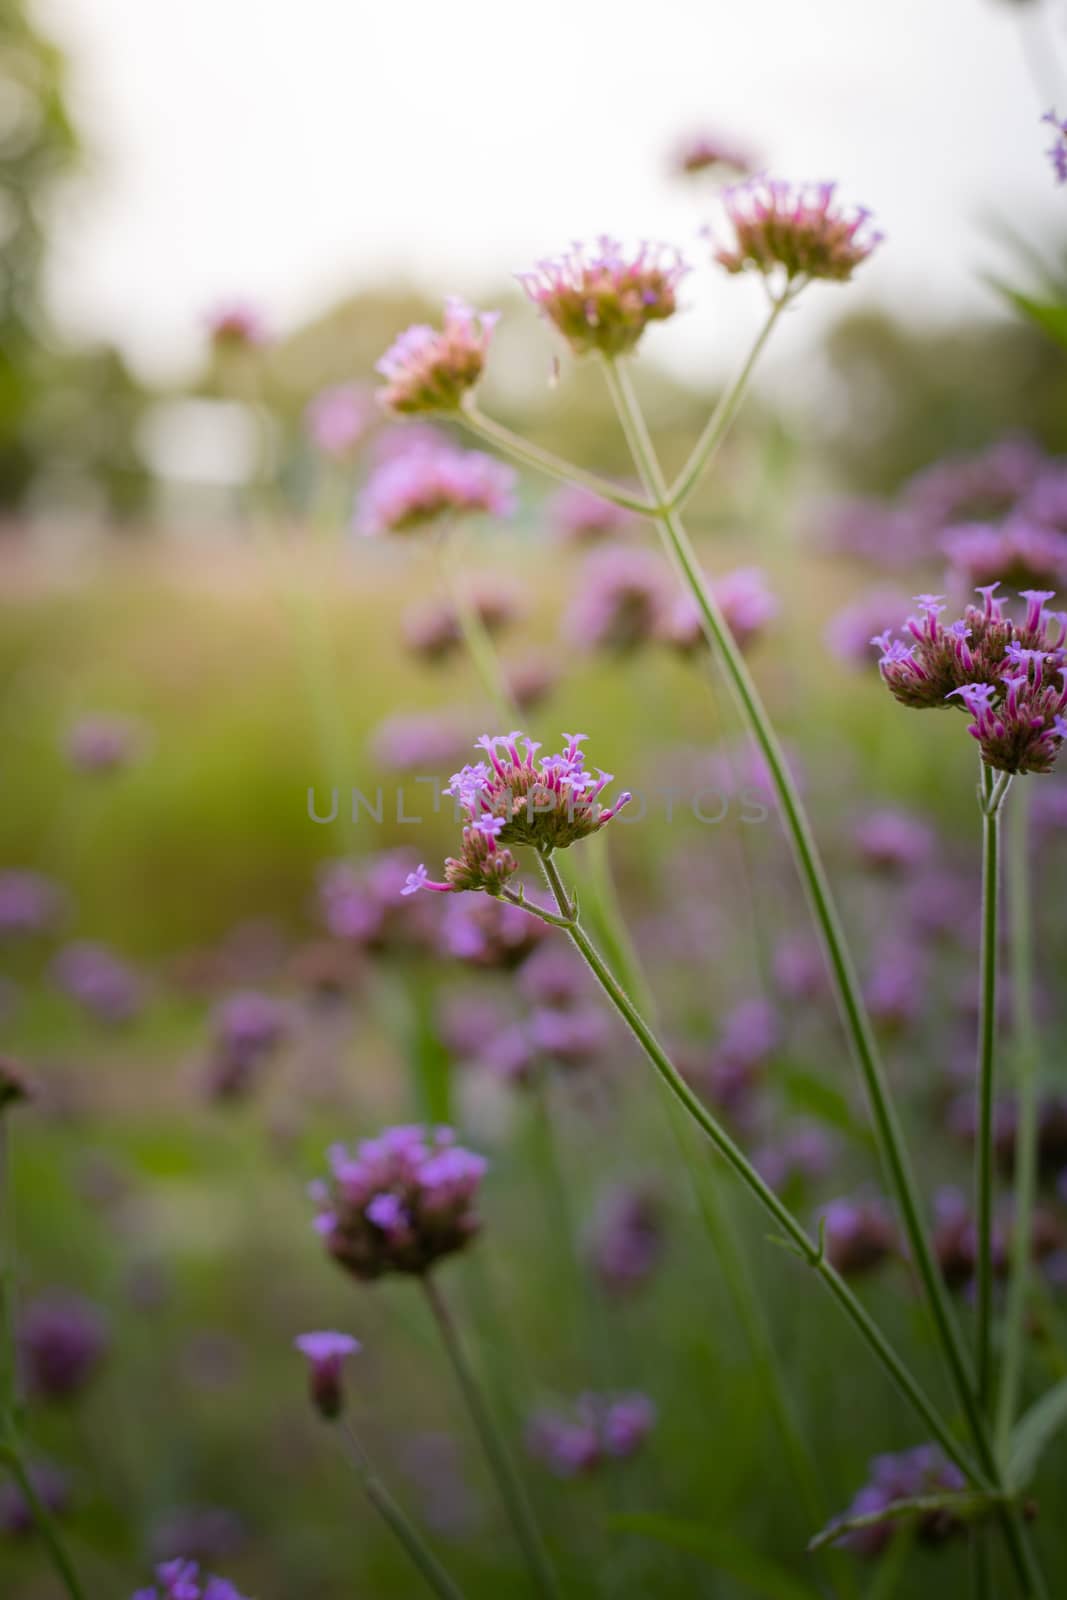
(809, 1093)
(723, 1551)
(1048, 315)
(1034, 1431)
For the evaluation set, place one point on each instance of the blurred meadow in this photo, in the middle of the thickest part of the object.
(208, 982)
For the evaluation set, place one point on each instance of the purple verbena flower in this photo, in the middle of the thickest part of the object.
(326, 1354)
(581, 517)
(797, 230)
(894, 841)
(598, 1429)
(911, 1475)
(182, 1580)
(399, 1203)
(1018, 552)
(708, 152)
(746, 602)
(626, 1241)
(52, 1488)
(62, 1339)
(803, 1153)
(102, 743)
(425, 484)
(622, 600)
(850, 631)
(419, 742)
(512, 797)
(30, 903)
(98, 980)
(431, 369)
(489, 933)
(603, 296)
(858, 1234)
(338, 418)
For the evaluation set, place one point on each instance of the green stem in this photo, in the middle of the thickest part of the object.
(795, 1234)
(809, 863)
(1026, 1063)
(531, 455)
(46, 1527)
(987, 1043)
(422, 1556)
(508, 1482)
(706, 447)
(475, 634)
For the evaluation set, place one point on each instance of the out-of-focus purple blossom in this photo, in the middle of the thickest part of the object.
(248, 1028)
(399, 1203)
(1045, 500)
(98, 980)
(1049, 809)
(746, 602)
(798, 231)
(573, 1038)
(30, 903)
(358, 903)
(626, 1240)
(427, 483)
(511, 1056)
(896, 986)
(1017, 552)
(467, 1022)
(204, 1533)
(62, 1340)
(1057, 150)
(338, 418)
(850, 631)
(869, 530)
(894, 841)
(859, 1235)
(432, 630)
(941, 904)
(804, 1153)
(517, 797)
(603, 296)
(237, 325)
(488, 932)
(581, 517)
(103, 743)
(327, 1354)
(52, 1488)
(553, 977)
(530, 680)
(800, 968)
(430, 369)
(974, 488)
(912, 1475)
(709, 152)
(182, 1580)
(622, 599)
(420, 742)
(597, 1429)
(748, 1038)
(15, 1084)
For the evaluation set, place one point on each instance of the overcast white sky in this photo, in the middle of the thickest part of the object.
(288, 150)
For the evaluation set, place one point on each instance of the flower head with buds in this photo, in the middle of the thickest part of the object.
(431, 369)
(705, 152)
(399, 1203)
(1009, 675)
(794, 230)
(602, 296)
(515, 798)
(420, 486)
(327, 1354)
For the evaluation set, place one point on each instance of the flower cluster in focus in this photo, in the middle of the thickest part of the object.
(431, 369)
(1008, 675)
(795, 229)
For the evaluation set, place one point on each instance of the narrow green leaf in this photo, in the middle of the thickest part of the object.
(1034, 1431)
(722, 1551)
(820, 1100)
(1048, 315)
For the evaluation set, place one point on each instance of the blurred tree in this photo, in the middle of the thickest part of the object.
(902, 397)
(59, 409)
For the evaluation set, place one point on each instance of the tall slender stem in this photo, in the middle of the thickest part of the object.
(797, 1236)
(1026, 1064)
(407, 1533)
(987, 1042)
(718, 425)
(45, 1523)
(508, 1482)
(853, 1009)
(473, 630)
(532, 455)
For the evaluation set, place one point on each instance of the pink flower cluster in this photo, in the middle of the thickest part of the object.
(431, 369)
(399, 1203)
(1010, 676)
(602, 296)
(514, 798)
(420, 486)
(798, 230)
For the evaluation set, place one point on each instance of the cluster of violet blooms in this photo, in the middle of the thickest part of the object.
(1010, 676)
